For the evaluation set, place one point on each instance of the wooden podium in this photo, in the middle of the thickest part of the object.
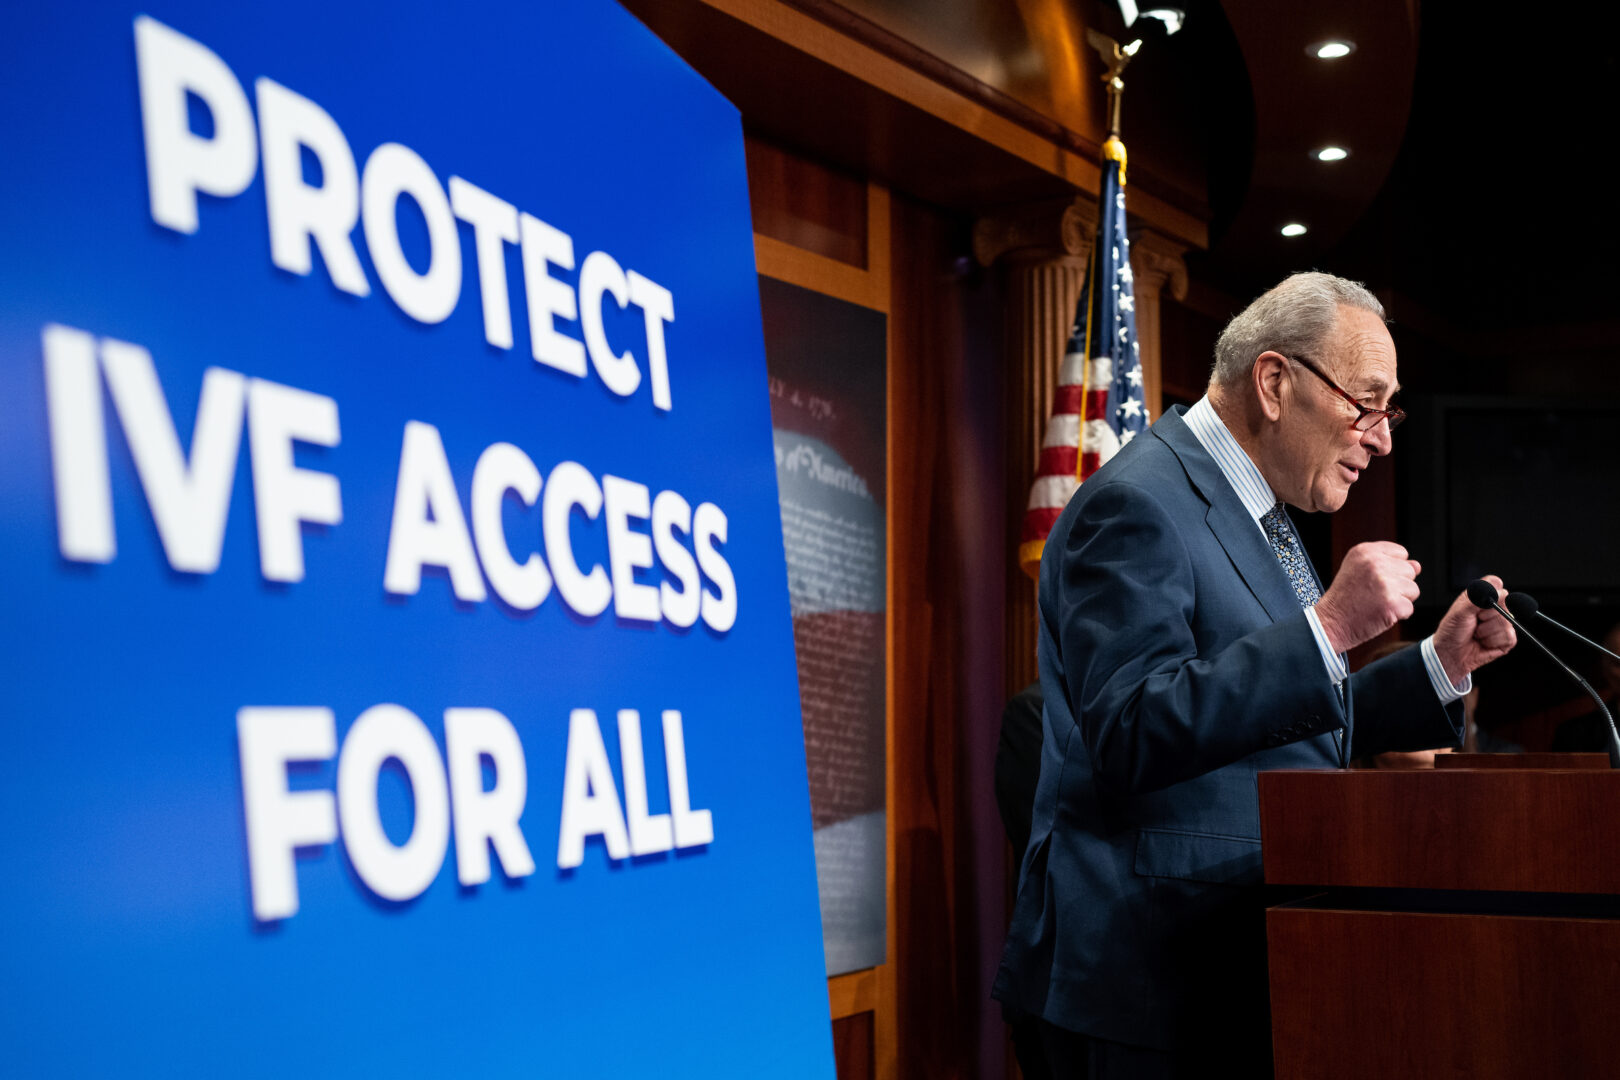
(1457, 922)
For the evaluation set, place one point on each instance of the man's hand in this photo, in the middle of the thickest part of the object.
(1468, 638)
(1374, 589)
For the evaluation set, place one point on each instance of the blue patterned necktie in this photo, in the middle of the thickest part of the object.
(1285, 542)
(1280, 531)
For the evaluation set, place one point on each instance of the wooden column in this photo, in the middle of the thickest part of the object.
(1156, 261)
(1042, 249)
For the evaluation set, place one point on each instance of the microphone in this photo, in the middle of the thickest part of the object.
(1524, 607)
(1482, 594)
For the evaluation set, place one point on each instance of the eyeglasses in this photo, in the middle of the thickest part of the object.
(1366, 419)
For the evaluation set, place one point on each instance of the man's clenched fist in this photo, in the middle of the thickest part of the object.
(1375, 588)
(1468, 638)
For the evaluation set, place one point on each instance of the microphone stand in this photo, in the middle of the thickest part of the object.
(1579, 637)
(1614, 735)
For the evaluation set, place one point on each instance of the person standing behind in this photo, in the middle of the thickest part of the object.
(1186, 644)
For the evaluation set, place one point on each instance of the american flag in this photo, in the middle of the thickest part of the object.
(1099, 405)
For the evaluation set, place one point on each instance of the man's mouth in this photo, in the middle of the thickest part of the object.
(1351, 472)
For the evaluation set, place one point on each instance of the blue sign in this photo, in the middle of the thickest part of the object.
(399, 672)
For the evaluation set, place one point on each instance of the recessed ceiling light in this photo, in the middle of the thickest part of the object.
(1293, 228)
(1331, 50)
(1332, 153)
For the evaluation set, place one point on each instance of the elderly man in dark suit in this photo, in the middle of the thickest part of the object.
(1185, 645)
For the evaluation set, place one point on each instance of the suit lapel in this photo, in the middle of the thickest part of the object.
(1234, 529)
(1245, 545)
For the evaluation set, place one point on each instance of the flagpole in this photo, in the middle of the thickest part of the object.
(1115, 58)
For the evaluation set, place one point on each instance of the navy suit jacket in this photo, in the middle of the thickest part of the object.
(1176, 664)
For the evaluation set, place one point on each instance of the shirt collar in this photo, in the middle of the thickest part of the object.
(1214, 436)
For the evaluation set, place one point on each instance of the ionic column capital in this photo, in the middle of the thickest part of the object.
(1055, 229)
(1159, 262)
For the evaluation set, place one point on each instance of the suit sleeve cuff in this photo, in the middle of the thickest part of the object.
(1337, 669)
(1443, 686)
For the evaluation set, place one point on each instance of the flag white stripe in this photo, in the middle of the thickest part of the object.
(1051, 492)
(1062, 430)
(1099, 439)
(1069, 374)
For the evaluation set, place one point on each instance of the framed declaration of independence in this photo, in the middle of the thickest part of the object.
(827, 366)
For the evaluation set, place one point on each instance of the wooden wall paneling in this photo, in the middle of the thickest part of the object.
(866, 284)
(924, 773)
(856, 992)
(851, 97)
(951, 924)
(854, 1047)
(811, 206)
(796, 266)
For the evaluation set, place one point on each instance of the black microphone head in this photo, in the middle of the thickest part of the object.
(1482, 594)
(1522, 605)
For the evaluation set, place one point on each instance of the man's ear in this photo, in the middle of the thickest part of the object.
(1270, 377)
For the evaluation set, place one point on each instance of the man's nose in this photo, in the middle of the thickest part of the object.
(1378, 438)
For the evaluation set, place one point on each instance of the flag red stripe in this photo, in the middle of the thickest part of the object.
(1037, 523)
(1066, 399)
(1057, 461)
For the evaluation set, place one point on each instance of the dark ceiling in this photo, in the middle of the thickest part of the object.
(1500, 210)
(1497, 211)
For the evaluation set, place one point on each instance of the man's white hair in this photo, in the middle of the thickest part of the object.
(1293, 317)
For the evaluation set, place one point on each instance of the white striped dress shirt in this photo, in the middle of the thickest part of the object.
(1258, 499)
